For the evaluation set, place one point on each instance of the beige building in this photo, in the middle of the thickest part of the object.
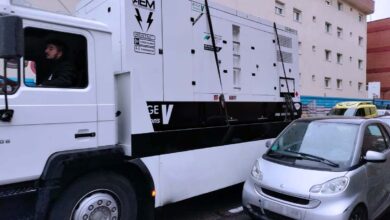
(332, 37)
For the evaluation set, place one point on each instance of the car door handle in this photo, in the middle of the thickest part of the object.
(82, 135)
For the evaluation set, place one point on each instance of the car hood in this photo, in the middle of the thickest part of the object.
(293, 180)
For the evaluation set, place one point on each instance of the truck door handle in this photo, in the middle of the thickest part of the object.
(82, 135)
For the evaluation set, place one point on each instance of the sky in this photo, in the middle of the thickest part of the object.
(382, 10)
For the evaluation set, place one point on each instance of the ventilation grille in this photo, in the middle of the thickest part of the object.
(285, 197)
(285, 41)
(287, 57)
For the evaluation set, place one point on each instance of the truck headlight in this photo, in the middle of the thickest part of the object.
(256, 172)
(332, 186)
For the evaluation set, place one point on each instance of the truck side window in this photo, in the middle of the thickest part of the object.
(55, 59)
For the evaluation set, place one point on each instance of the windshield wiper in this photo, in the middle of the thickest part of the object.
(314, 158)
(279, 153)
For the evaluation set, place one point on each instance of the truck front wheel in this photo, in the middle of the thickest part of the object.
(97, 196)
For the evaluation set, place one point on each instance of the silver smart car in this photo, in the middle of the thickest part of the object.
(322, 168)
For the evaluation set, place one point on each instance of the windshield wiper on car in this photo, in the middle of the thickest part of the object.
(313, 158)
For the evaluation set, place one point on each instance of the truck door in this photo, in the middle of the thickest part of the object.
(52, 112)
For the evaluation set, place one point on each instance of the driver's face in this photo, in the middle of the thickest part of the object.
(52, 52)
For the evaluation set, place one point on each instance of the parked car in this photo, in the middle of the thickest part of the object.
(362, 109)
(382, 112)
(322, 168)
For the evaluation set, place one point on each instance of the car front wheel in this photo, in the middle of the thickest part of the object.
(359, 213)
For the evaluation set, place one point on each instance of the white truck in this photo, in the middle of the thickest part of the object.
(173, 99)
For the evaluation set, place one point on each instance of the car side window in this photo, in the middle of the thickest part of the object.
(386, 137)
(360, 112)
(372, 111)
(374, 139)
(366, 111)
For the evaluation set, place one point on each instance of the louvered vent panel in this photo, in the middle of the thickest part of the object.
(285, 41)
(287, 57)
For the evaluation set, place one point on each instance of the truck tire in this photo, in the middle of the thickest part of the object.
(102, 195)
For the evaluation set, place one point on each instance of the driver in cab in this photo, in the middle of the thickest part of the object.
(58, 72)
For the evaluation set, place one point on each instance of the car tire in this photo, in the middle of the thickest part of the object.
(102, 194)
(359, 213)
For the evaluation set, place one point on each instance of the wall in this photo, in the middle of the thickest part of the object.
(378, 55)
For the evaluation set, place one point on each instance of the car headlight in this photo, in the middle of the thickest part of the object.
(332, 186)
(256, 172)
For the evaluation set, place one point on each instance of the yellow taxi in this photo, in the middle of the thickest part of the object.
(362, 109)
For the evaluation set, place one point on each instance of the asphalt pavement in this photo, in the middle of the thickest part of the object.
(224, 204)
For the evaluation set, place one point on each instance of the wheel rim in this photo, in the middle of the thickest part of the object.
(358, 215)
(97, 205)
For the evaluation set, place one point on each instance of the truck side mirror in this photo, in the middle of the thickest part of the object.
(11, 37)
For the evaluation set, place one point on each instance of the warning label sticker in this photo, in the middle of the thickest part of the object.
(198, 7)
(144, 43)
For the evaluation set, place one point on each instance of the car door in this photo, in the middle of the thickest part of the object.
(376, 139)
(386, 151)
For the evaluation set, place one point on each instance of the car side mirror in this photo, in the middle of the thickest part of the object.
(375, 157)
(11, 37)
(268, 144)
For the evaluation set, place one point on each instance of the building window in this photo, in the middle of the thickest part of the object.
(339, 83)
(328, 27)
(339, 58)
(279, 8)
(328, 2)
(314, 18)
(313, 48)
(350, 83)
(360, 64)
(328, 55)
(360, 41)
(297, 15)
(360, 86)
(327, 82)
(340, 6)
(350, 34)
(361, 17)
(339, 32)
(313, 77)
(350, 59)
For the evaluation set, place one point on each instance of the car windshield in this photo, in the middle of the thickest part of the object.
(343, 111)
(337, 111)
(317, 145)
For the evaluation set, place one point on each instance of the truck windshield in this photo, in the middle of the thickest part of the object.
(58, 6)
(11, 68)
